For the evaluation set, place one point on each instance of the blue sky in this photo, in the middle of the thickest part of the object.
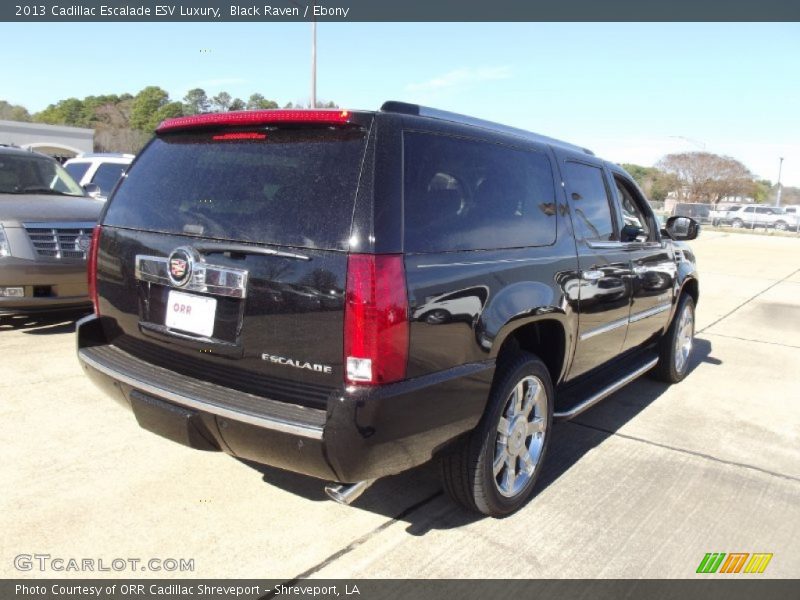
(631, 92)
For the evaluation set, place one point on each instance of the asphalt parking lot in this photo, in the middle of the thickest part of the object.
(643, 485)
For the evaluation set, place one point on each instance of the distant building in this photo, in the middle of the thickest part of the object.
(59, 141)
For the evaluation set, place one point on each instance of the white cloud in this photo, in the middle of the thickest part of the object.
(461, 77)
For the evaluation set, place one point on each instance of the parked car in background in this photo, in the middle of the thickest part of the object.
(723, 216)
(103, 170)
(697, 211)
(753, 216)
(46, 223)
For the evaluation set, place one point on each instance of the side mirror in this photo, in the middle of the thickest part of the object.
(682, 228)
(92, 190)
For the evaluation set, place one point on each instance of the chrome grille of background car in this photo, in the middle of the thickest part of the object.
(60, 240)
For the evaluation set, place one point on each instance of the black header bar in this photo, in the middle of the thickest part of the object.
(710, 587)
(276, 11)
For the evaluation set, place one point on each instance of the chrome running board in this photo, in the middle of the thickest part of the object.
(606, 391)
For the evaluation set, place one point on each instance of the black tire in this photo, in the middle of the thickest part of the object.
(437, 316)
(467, 469)
(670, 368)
(737, 223)
(781, 225)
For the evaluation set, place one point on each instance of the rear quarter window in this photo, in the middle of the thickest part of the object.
(107, 175)
(465, 194)
(77, 170)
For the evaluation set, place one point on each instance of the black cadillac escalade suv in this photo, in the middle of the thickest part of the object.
(351, 294)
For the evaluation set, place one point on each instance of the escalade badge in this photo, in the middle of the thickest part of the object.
(297, 364)
(180, 266)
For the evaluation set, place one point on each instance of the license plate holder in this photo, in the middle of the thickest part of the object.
(191, 313)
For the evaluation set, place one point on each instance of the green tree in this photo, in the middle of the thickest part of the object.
(65, 112)
(167, 111)
(654, 183)
(307, 104)
(222, 101)
(762, 189)
(13, 112)
(195, 102)
(145, 107)
(237, 104)
(258, 102)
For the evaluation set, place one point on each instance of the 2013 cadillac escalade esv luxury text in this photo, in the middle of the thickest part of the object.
(351, 294)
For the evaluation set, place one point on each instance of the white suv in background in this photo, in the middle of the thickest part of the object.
(103, 170)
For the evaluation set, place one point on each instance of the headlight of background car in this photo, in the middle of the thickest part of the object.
(4, 249)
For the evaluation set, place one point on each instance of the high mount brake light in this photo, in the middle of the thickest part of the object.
(243, 135)
(375, 319)
(255, 117)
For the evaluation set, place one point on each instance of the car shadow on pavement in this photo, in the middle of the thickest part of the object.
(44, 324)
(411, 497)
(573, 439)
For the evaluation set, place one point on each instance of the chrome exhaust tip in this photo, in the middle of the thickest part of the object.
(347, 493)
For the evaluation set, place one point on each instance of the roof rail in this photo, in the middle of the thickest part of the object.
(105, 155)
(406, 108)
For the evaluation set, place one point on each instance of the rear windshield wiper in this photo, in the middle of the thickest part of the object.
(244, 249)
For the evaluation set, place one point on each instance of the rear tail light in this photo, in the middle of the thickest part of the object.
(375, 320)
(92, 267)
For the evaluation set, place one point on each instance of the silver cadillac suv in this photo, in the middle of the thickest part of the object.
(46, 223)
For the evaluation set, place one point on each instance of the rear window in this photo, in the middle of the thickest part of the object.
(463, 194)
(294, 187)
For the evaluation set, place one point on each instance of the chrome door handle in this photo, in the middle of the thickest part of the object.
(592, 275)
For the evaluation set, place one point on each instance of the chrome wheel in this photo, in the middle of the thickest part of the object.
(684, 338)
(520, 436)
(437, 317)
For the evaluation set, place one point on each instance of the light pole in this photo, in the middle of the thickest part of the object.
(313, 61)
(780, 168)
(313, 100)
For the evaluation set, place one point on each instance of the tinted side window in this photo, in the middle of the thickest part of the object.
(462, 194)
(635, 226)
(588, 195)
(77, 170)
(107, 176)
